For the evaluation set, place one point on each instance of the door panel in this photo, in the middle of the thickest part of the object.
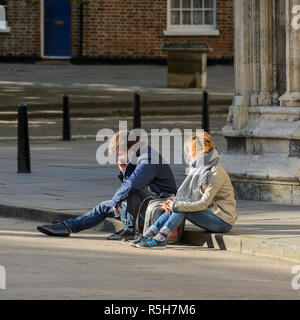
(57, 30)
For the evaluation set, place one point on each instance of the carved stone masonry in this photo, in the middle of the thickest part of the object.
(263, 130)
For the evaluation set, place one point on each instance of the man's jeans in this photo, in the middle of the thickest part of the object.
(205, 219)
(102, 211)
(105, 210)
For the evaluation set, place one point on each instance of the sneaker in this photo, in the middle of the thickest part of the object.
(55, 230)
(122, 235)
(139, 239)
(152, 244)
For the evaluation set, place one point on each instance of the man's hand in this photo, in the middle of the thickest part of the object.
(122, 162)
(167, 205)
(116, 211)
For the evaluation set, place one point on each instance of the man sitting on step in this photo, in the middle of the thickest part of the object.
(139, 181)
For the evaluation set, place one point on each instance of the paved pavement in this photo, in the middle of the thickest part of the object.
(87, 128)
(66, 180)
(103, 85)
(86, 266)
(103, 94)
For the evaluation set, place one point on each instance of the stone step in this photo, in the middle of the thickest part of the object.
(233, 241)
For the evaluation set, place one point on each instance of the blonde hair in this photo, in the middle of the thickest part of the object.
(200, 142)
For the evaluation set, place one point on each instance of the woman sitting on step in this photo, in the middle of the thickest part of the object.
(205, 198)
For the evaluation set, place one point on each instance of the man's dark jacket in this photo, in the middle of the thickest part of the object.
(158, 177)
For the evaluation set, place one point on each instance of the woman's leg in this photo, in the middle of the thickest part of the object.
(174, 221)
(171, 222)
(157, 225)
(207, 220)
(160, 230)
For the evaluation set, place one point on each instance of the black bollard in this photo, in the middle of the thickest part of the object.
(66, 119)
(205, 114)
(137, 111)
(23, 140)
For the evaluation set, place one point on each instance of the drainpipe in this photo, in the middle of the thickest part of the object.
(81, 32)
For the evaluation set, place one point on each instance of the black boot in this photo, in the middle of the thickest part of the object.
(55, 230)
(122, 235)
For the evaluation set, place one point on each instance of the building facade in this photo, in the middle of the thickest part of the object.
(263, 130)
(116, 30)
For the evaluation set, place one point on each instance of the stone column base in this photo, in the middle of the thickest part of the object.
(263, 158)
(269, 177)
(290, 99)
(268, 192)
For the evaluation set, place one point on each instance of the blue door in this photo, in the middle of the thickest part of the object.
(57, 30)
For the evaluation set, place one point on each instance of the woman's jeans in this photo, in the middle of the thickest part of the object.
(205, 219)
(105, 210)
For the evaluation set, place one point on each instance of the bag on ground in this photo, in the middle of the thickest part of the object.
(150, 210)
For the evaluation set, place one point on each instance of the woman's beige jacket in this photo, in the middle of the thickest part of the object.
(218, 196)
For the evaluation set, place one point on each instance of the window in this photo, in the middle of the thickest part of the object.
(191, 17)
(3, 16)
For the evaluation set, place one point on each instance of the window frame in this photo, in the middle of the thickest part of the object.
(7, 28)
(201, 29)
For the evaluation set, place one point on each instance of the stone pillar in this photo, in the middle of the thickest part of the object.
(255, 52)
(266, 52)
(242, 63)
(263, 138)
(292, 96)
(279, 67)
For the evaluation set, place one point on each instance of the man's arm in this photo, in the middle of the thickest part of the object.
(140, 178)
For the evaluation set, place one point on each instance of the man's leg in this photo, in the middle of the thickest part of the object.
(133, 204)
(92, 218)
(86, 221)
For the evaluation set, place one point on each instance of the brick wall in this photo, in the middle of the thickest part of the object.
(24, 36)
(134, 29)
(75, 30)
(223, 45)
(123, 29)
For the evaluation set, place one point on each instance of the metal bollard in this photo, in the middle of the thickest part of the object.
(66, 119)
(23, 140)
(137, 111)
(205, 113)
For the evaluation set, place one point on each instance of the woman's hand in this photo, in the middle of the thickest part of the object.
(167, 205)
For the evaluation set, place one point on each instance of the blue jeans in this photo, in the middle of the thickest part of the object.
(205, 219)
(105, 210)
(102, 211)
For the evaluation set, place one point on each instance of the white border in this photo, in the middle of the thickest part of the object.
(201, 30)
(42, 40)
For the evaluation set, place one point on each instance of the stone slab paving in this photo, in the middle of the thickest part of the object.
(46, 83)
(67, 180)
